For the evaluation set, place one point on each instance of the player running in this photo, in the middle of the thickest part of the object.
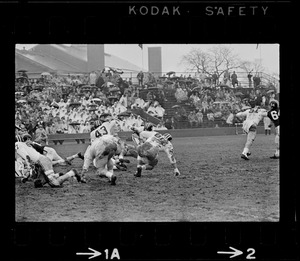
(100, 153)
(253, 117)
(149, 143)
(42, 165)
(274, 114)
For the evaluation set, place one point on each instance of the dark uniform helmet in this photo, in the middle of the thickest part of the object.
(105, 117)
(26, 137)
(256, 102)
(274, 104)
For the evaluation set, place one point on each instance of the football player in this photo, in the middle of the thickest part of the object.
(253, 116)
(43, 167)
(22, 168)
(111, 127)
(274, 114)
(100, 154)
(149, 143)
(50, 152)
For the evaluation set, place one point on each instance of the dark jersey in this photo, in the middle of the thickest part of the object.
(274, 116)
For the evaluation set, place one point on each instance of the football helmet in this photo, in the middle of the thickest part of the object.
(168, 136)
(26, 137)
(97, 123)
(254, 103)
(105, 117)
(148, 126)
(274, 104)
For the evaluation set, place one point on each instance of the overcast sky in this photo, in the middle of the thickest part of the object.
(172, 54)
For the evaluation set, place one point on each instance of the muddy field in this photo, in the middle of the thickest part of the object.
(215, 185)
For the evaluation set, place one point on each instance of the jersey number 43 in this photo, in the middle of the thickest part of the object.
(100, 132)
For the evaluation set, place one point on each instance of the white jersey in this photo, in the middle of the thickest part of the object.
(253, 117)
(24, 149)
(145, 135)
(100, 148)
(106, 128)
(154, 138)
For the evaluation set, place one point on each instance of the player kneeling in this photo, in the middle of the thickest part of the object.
(148, 147)
(101, 153)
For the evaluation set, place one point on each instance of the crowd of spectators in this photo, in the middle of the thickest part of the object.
(206, 101)
(73, 103)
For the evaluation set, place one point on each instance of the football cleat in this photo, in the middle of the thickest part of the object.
(176, 173)
(274, 157)
(113, 180)
(245, 157)
(77, 175)
(83, 180)
(138, 172)
(80, 155)
(38, 183)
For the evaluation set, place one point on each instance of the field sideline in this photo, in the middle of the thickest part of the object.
(215, 185)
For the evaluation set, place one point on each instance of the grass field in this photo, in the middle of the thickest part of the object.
(215, 185)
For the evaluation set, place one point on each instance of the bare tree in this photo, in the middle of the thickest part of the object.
(197, 59)
(257, 66)
(247, 66)
(217, 60)
(224, 59)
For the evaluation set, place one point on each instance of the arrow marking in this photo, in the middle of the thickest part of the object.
(92, 255)
(234, 254)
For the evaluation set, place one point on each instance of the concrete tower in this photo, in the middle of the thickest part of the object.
(95, 57)
(154, 60)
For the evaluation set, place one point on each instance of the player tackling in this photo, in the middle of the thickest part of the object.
(43, 165)
(100, 153)
(149, 143)
(105, 145)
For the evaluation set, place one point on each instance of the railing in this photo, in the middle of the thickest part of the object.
(178, 133)
(265, 79)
